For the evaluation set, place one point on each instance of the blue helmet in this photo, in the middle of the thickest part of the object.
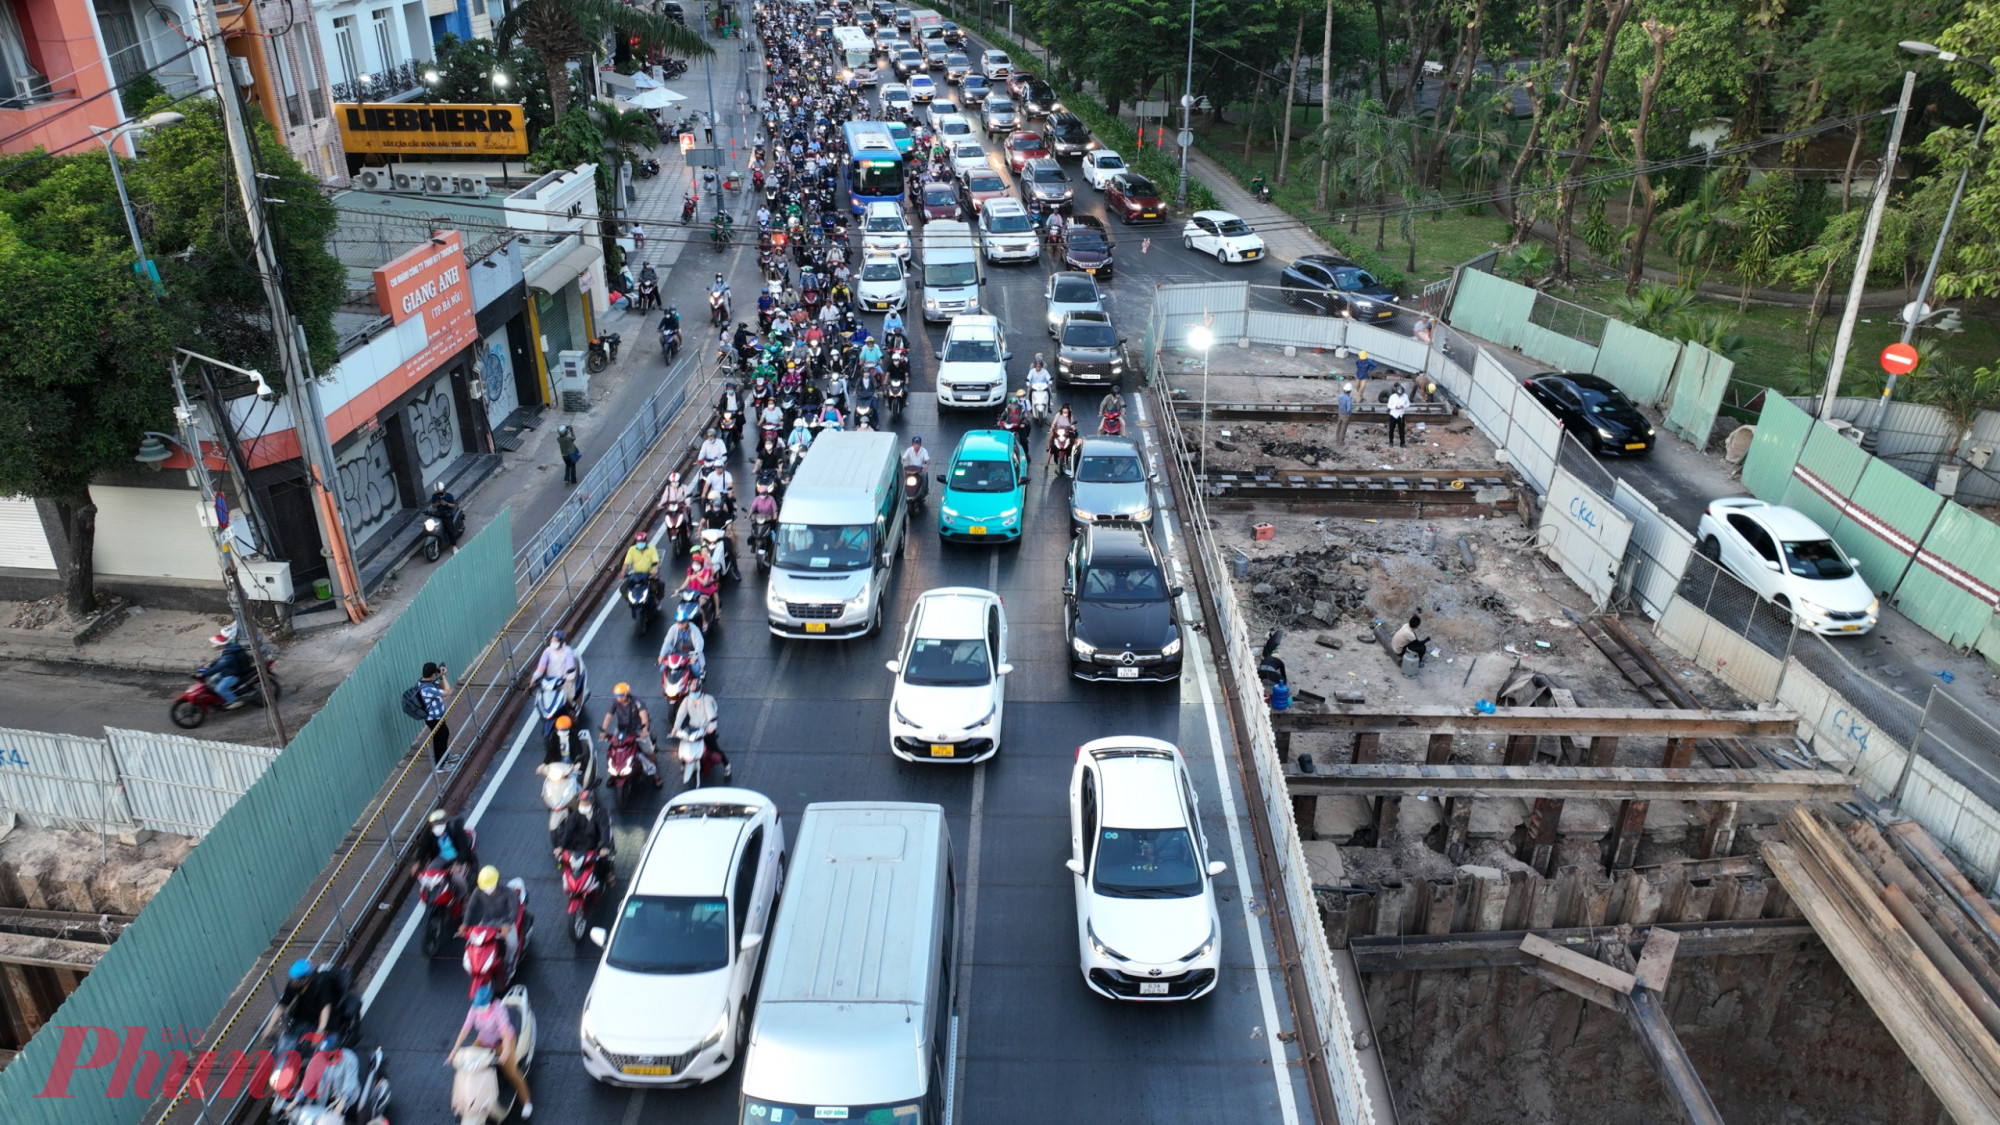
(301, 969)
(484, 996)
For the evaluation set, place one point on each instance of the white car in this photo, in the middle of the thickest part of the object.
(895, 96)
(951, 679)
(995, 65)
(922, 88)
(1790, 562)
(884, 284)
(884, 230)
(968, 155)
(1071, 291)
(952, 127)
(1146, 925)
(1224, 235)
(669, 1005)
(1009, 233)
(972, 369)
(1100, 164)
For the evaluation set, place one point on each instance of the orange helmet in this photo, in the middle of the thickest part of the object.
(563, 722)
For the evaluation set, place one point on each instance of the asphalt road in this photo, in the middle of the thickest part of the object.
(807, 722)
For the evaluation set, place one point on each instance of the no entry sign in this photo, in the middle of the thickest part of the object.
(1899, 359)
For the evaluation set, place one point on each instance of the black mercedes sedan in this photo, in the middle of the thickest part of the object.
(1595, 411)
(1118, 607)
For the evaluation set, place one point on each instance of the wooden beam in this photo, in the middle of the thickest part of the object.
(1587, 977)
(1608, 783)
(1580, 722)
(1417, 953)
(49, 953)
(1656, 959)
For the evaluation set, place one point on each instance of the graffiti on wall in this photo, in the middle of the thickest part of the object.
(367, 486)
(433, 428)
(496, 371)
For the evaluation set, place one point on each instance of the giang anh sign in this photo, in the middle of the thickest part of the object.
(413, 127)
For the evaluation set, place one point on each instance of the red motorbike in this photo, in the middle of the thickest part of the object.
(623, 755)
(581, 886)
(443, 903)
(486, 960)
(1111, 425)
(191, 707)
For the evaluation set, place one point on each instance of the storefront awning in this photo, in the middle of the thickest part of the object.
(557, 268)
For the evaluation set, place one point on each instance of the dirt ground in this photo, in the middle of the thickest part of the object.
(53, 869)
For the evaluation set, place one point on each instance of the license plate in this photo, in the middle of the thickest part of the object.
(1252, 254)
(943, 750)
(1130, 674)
(1385, 314)
(1149, 215)
(815, 626)
(1152, 988)
(1850, 628)
(653, 1071)
(1635, 445)
(978, 530)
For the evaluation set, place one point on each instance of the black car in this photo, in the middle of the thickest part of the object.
(1067, 134)
(1119, 608)
(1596, 412)
(1088, 350)
(973, 90)
(954, 34)
(1335, 286)
(1087, 246)
(1038, 99)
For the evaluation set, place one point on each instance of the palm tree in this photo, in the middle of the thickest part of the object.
(1479, 147)
(1654, 308)
(1696, 228)
(560, 30)
(1961, 393)
(1327, 148)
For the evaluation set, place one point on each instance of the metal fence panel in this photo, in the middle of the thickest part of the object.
(61, 781)
(1781, 434)
(1326, 332)
(1560, 352)
(1698, 389)
(1492, 307)
(1953, 587)
(185, 953)
(1490, 398)
(1535, 440)
(1828, 469)
(184, 785)
(1585, 535)
(1636, 361)
(1219, 304)
(1450, 365)
(1891, 512)
(1910, 436)
(1404, 353)
(1657, 555)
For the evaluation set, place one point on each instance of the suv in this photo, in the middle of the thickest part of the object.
(972, 90)
(1330, 284)
(1000, 115)
(909, 61)
(1068, 292)
(995, 65)
(1067, 134)
(980, 186)
(1039, 99)
(1009, 233)
(972, 367)
(1045, 186)
(1118, 608)
(1088, 350)
(1087, 246)
(884, 230)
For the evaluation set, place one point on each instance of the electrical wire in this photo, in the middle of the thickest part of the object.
(81, 102)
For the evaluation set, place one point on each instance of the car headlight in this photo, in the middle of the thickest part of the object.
(858, 600)
(715, 1036)
(1083, 515)
(983, 719)
(1009, 513)
(930, 304)
(948, 511)
(1874, 607)
(773, 602)
(590, 1042)
(1812, 608)
(1649, 431)
(896, 709)
(1098, 946)
(1172, 648)
(1142, 515)
(1207, 947)
(1082, 647)
(1064, 362)
(1117, 362)
(1607, 435)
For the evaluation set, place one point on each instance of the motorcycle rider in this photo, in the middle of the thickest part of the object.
(493, 1028)
(773, 417)
(685, 639)
(586, 828)
(892, 322)
(495, 906)
(1110, 408)
(558, 659)
(697, 719)
(1063, 423)
(448, 840)
(716, 479)
(444, 506)
(313, 998)
(1014, 417)
(643, 558)
(231, 669)
(713, 451)
(917, 459)
(1039, 378)
(721, 289)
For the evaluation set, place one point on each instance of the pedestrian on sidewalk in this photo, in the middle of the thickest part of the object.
(638, 239)
(1399, 404)
(435, 687)
(566, 442)
(708, 127)
(1346, 414)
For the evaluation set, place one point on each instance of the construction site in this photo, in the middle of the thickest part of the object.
(1567, 873)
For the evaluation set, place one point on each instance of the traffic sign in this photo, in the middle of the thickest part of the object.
(1185, 138)
(1899, 359)
(687, 142)
(1150, 109)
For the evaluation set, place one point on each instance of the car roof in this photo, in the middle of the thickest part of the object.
(886, 259)
(952, 612)
(1042, 164)
(1788, 524)
(1084, 316)
(1119, 542)
(693, 851)
(1090, 221)
(1324, 261)
(1596, 383)
(1110, 447)
(1005, 207)
(973, 324)
(1215, 216)
(885, 207)
(986, 445)
(1139, 790)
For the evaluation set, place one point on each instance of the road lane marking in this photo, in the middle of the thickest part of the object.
(633, 1105)
(962, 974)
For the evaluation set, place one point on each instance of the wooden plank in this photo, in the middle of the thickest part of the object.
(49, 953)
(1591, 979)
(1417, 953)
(1580, 722)
(1604, 783)
(1656, 959)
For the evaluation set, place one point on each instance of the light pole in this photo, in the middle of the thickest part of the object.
(499, 80)
(144, 266)
(1914, 315)
(1880, 203)
(1187, 120)
(1201, 339)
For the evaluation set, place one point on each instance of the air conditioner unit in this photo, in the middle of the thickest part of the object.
(372, 179)
(439, 185)
(472, 185)
(407, 182)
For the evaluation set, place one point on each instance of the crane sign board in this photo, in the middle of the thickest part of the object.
(1899, 359)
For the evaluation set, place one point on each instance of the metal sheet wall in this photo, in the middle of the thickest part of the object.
(1560, 352)
(183, 956)
(1585, 535)
(1950, 588)
(1535, 441)
(1327, 332)
(1636, 361)
(1492, 307)
(1221, 305)
(1703, 377)
(1781, 434)
(1657, 555)
(1828, 469)
(61, 781)
(1490, 399)
(1445, 370)
(1403, 353)
(1891, 513)
(184, 785)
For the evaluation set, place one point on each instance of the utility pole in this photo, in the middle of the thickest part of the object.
(1880, 203)
(301, 393)
(1187, 107)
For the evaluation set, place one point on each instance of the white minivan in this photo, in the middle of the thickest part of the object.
(840, 530)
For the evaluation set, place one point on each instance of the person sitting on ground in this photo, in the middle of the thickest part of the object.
(1406, 639)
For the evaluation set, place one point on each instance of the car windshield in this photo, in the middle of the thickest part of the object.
(1091, 334)
(758, 1111)
(951, 275)
(956, 59)
(1048, 175)
(983, 182)
(896, 96)
(1127, 582)
(956, 128)
(1074, 291)
(886, 222)
(1147, 863)
(1079, 235)
(999, 105)
(670, 934)
(971, 349)
(880, 271)
(971, 150)
(1233, 227)
(1818, 559)
(1025, 142)
(974, 82)
(1114, 469)
(1351, 280)
(939, 194)
(808, 546)
(1107, 162)
(1011, 223)
(1140, 186)
(1600, 402)
(981, 476)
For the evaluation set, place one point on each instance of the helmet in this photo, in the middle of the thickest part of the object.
(557, 635)
(438, 487)
(489, 877)
(301, 969)
(438, 816)
(673, 308)
(1364, 355)
(1038, 357)
(483, 997)
(564, 722)
(640, 539)
(674, 477)
(711, 432)
(1347, 387)
(916, 439)
(621, 689)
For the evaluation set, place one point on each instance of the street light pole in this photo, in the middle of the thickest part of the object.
(1200, 338)
(1852, 313)
(1187, 115)
(144, 265)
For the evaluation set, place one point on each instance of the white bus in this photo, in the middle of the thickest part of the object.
(854, 1013)
(857, 54)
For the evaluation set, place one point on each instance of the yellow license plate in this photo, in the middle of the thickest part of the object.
(1635, 445)
(978, 530)
(1253, 254)
(651, 1071)
(1385, 314)
(1150, 215)
(939, 750)
(1850, 628)
(815, 626)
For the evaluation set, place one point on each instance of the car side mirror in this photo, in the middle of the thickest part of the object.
(1216, 867)
(1154, 475)
(941, 479)
(1179, 590)
(1006, 669)
(895, 666)
(1772, 564)
(1852, 561)
(752, 941)
(1075, 865)
(984, 280)
(597, 936)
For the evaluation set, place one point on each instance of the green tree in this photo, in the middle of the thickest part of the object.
(560, 30)
(1763, 221)
(1961, 392)
(1654, 307)
(466, 70)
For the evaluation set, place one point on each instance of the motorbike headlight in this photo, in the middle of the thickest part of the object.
(1097, 945)
(1082, 647)
(431, 524)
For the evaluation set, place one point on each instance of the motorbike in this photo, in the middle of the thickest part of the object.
(1063, 445)
(486, 960)
(334, 1088)
(1111, 425)
(642, 595)
(621, 761)
(897, 390)
(716, 554)
(688, 752)
(603, 352)
(1040, 408)
(581, 886)
(864, 418)
(719, 235)
(687, 208)
(478, 1096)
(915, 489)
(562, 783)
(763, 540)
(670, 341)
(731, 431)
(433, 538)
(443, 903)
(191, 707)
(679, 529)
(677, 678)
(647, 169)
(718, 308)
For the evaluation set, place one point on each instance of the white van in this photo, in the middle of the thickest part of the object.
(840, 530)
(951, 276)
(854, 1014)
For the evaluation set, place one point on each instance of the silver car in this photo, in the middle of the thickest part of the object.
(1111, 483)
(1000, 115)
(1071, 291)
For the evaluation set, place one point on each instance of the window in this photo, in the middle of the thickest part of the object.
(121, 43)
(1123, 582)
(1819, 559)
(385, 44)
(1147, 863)
(982, 476)
(935, 662)
(1754, 534)
(993, 633)
(281, 57)
(18, 78)
(344, 46)
(304, 48)
(671, 934)
(1089, 815)
(747, 865)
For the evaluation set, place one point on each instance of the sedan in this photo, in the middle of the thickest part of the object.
(1087, 246)
(1119, 616)
(938, 199)
(1146, 923)
(909, 62)
(669, 1003)
(922, 89)
(1089, 350)
(884, 284)
(935, 54)
(1790, 562)
(954, 35)
(972, 90)
(1332, 286)
(995, 64)
(956, 67)
(1068, 135)
(895, 98)
(1133, 198)
(968, 156)
(1045, 186)
(1039, 99)
(1111, 482)
(1100, 165)
(1023, 147)
(1594, 411)
(980, 185)
(985, 489)
(1222, 234)
(1068, 292)
(1000, 116)
(951, 678)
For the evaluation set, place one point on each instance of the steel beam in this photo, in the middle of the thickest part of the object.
(1419, 953)
(1577, 722)
(1677, 1073)
(1608, 783)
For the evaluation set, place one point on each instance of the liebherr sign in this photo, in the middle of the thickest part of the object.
(397, 127)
